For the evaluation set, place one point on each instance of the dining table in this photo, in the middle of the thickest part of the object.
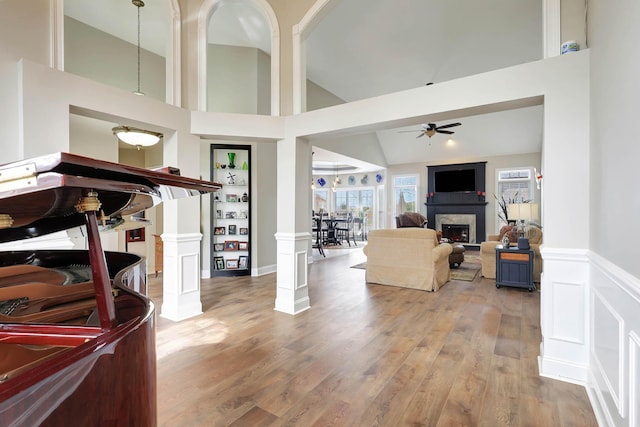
(331, 224)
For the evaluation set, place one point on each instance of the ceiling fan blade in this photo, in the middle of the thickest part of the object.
(448, 132)
(450, 125)
(420, 136)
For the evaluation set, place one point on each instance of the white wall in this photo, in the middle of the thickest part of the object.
(234, 75)
(26, 37)
(614, 374)
(99, 56)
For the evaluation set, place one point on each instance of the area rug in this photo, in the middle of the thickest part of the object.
(467, 271)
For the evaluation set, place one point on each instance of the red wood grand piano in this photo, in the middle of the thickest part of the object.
(77, 333)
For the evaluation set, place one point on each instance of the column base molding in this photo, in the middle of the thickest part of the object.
(292, 292)
(181, 276)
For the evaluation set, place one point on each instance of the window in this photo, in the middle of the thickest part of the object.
(321, 200)
(405, 190)
(514, 186)
(355, 201)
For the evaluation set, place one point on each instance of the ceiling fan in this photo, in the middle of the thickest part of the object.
(431, 129)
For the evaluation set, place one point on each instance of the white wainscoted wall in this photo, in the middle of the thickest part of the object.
(613, 381)
(564, 305)
(590, 322)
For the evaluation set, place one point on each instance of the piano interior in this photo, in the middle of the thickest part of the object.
(61, 295)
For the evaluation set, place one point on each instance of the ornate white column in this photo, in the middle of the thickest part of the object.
(294, 225)
(181, 236)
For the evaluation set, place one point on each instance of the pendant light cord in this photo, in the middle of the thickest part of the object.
(139, 49)
(138, 4)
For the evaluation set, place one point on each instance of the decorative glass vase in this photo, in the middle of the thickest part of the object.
(232, 159)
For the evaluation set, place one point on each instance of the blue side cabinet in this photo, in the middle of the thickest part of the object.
(514, 267)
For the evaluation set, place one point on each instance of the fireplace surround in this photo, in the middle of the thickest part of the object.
(458, 207)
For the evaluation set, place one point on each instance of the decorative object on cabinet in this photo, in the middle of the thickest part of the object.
(378, 178)
(321, 182)
(135, 235)
(243, 261)
(159, 253)
(232, 159)
(231, 210)
(230, 245)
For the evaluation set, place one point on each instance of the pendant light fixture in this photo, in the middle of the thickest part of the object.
(138, 137)
(127, 134)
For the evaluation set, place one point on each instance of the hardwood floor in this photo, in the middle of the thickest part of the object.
(363, 355)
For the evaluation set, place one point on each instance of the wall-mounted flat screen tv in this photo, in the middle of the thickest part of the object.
(450, 181)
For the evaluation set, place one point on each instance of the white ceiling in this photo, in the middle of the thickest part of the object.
(366, 48)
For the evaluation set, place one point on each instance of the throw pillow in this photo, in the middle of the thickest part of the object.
(508, 230)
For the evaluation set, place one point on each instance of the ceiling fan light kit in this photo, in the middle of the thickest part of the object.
(431, 129)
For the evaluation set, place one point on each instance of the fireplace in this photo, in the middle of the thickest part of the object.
(461, 210)
(456, 232)
(458, 227)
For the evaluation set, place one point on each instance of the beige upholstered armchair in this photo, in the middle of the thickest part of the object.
(407, 257)
(488, 250)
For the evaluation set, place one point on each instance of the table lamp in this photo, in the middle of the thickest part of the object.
(523, 212)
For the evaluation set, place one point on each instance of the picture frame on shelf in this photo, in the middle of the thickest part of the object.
(243, 262)
(232, 229)
(231, 264)
(218, 213)
(219, 231)
(218, 247)
(244, 231)
(230, 215)
(231, 245)
(219, 262)
(243, 246)
(242, 214)
(232, 198)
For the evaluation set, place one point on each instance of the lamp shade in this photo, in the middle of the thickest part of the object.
(523, 211)
(137, 137)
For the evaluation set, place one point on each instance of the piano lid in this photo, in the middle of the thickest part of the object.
(41, 195)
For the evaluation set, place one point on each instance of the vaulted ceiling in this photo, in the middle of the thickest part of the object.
(366, 48)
